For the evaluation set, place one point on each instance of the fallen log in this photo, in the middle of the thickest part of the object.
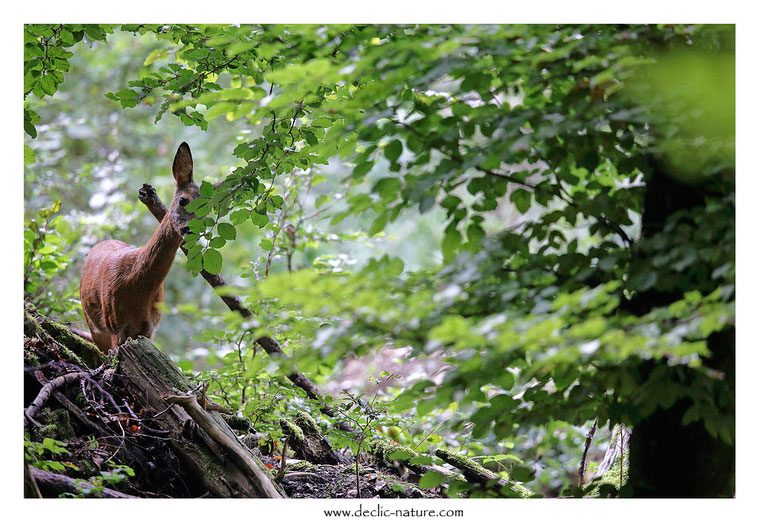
(474, 473)
(51, 485)
(202, 440)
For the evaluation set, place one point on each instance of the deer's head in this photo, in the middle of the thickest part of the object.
(185, 190)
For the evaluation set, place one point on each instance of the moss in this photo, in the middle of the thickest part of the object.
(302, 466)
(82, 348)
(611, 477)
(382, 452)
(466, 465)
(524, 491)
(237, 423)
(350, 468)
(31, 357)
(56, 424)
(306, 423)
(31, 327)
(461, 462)
(73, 348)
(291, 430)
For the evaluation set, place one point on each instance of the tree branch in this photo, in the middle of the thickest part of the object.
(148, 196)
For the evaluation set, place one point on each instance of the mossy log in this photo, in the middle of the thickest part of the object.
(151, 377)
(75, 349)
(475, 473)
(51, 485)
(307, 441)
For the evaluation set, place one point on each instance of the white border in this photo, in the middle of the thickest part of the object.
(389, 11)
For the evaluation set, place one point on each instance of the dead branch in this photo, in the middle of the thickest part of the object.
(582, 468)
(44, 394)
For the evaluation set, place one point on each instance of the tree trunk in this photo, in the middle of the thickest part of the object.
(668, 459)
(206, 445)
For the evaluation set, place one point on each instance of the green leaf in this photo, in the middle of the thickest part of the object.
(266, 244)
(432, 479)
(260, 220)
(226, 231)
(196, 204)
(217, 243)
(212, 261)
(29, 156)
(239, 216)
(48, 84)
(399, 455)
(206, 189)
(220, 109)
(521, 199)
(451, 243)
(203, 210)
(156, 54)
(393, 150)
(197, 225)
(388, 188)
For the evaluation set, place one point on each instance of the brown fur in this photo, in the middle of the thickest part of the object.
(121, 284)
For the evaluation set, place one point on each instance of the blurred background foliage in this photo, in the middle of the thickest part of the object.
(470, 196)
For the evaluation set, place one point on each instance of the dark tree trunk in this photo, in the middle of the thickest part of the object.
(668, 459)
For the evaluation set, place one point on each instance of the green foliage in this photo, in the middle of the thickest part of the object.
(34, 452)
(94, 485)
(45, 257)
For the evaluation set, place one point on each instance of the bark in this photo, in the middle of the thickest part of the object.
(476, 474)
(308, 442)
(618, 445)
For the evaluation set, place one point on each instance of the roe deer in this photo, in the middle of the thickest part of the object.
(121, 284)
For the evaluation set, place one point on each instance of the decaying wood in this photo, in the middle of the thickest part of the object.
(157, 208)
(241, 455)
(31, 489)
(51, 485)
(59, 336)
(403, 456)
(474, 473)
(308, 442)
(201, 439)
(618, 445)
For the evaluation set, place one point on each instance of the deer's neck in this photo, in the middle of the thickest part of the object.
(155, 258)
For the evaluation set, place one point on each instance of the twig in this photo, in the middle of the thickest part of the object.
(44, 394)
(283, 461)
(582, 468)
(430, 433)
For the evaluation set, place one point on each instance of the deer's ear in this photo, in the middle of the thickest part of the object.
(182, 168)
